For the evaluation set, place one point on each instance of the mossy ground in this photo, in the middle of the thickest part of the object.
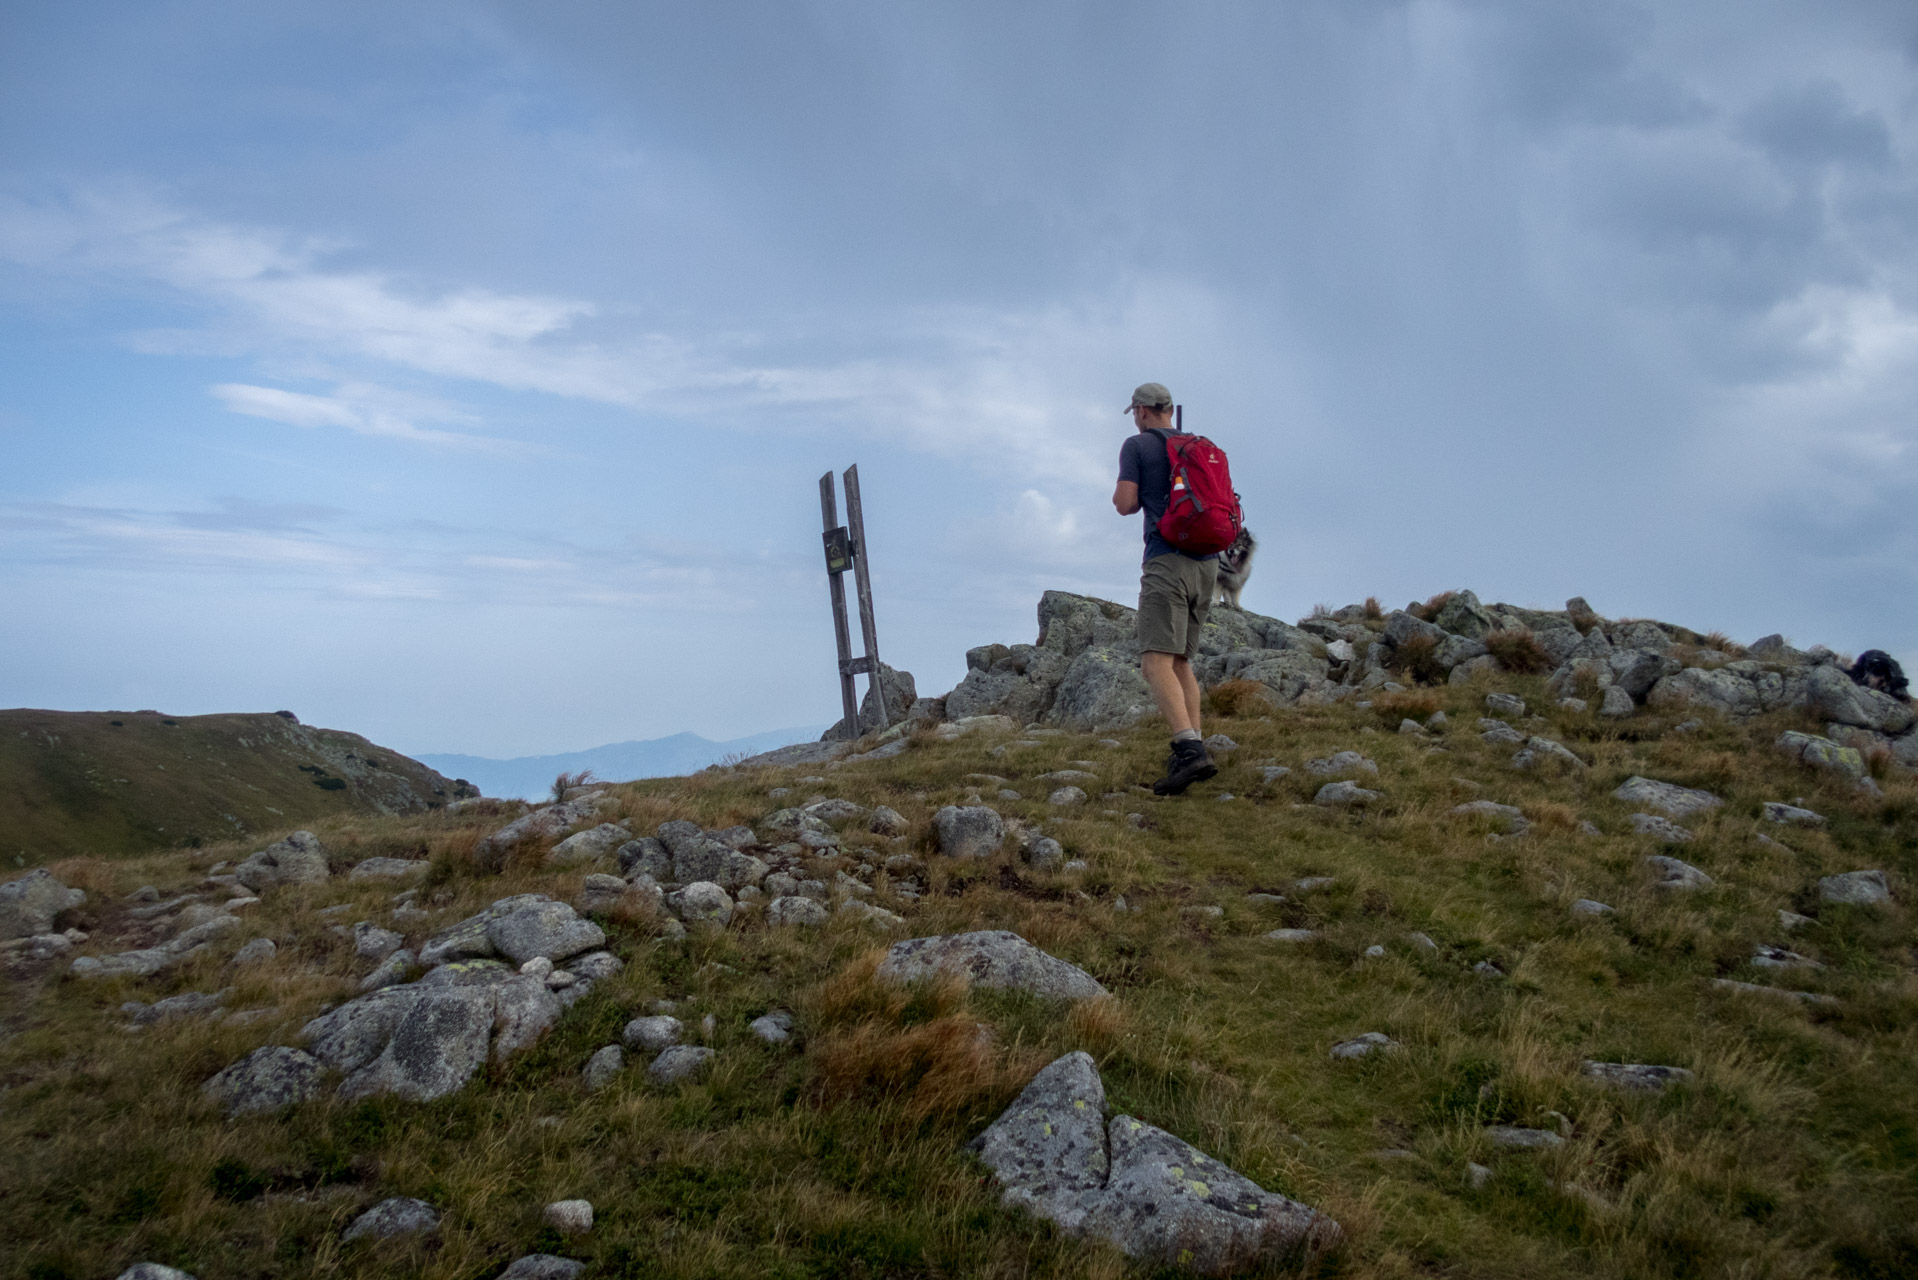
(1793, 1153)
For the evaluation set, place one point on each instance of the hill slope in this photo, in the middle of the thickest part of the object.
(1244, 931)
(530, 777)
(114, 782)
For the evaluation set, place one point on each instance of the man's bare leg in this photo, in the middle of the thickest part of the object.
(1174, 689)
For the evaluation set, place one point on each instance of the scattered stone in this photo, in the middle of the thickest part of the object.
(1158, 1199)
(1343, 794)
(1661, 829)
(29, 904)
(603, 1067)
(1422, 941)
(972, 831)
(1291, 935)
(1666, 797)
(1374, 951)
(298, 859)
(1504, 704)
(1271, 773)
(888, 822)
(1789, 920)
(258, 951)
(1790, 814)
(1411, 728)
(1508, 817)
(1752, 988)
(1043, 853)
(774, 1028)
(1341, 762)
(701, 902)
(1673, 874)
(1590, 907)
(1617, 703)
(1477, 1175)
(1313, 883)
(1539, 751)
(570, 1217)
(1066, 795)
(1499, 734)
(653, 1034)
(1219, 742)
(391, 970)
(399, 1216)
(151, 960)
(1823, 753)
(990, 958)
(1362, 1045)
(866, 913)
(1858, 888)
(1768, 957)
(370, 942)
(1486, 969)
(153, 1271)
(1638, 1077)
(793, 910)
(389, 869)
(267, 1079)
(542, 1266)
(680, 1062)
(1513, 1138)
(1577, 706)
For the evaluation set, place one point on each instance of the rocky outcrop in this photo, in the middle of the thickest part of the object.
(1159, 1199)
(29, 904)
(990, 958)
(298, 859)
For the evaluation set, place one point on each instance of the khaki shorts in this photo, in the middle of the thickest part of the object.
(1175, 595)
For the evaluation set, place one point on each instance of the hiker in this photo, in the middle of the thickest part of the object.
(1175, 590)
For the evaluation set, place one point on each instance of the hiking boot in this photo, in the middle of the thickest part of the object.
(1187, 764)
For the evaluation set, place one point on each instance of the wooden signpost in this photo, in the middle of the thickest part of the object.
(846, 549)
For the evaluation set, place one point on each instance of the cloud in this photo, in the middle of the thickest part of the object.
(357, 409)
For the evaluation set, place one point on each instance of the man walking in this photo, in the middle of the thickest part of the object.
(1175, 591)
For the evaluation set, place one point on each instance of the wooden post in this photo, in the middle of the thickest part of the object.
(868, 628)
(837, 554)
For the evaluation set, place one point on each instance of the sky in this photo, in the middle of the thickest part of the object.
(462, 374)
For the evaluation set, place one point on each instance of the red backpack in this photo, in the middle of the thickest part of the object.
(1203, 515)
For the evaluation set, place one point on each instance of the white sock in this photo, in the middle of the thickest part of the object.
(1187, 735)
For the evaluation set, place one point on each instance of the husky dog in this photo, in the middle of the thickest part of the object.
(1235, 566)
(1875, 669)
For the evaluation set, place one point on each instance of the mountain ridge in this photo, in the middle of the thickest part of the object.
(530, 777)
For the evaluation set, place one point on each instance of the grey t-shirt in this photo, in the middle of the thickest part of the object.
(1142, 460)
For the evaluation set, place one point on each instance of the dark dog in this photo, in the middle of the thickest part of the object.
(1235, 566)
(1875, 669)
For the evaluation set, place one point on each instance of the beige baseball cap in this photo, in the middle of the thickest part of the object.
(1152, 395)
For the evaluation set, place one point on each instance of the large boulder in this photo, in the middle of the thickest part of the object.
(1744, 688)
(901, 692)
(529, 923)
(1463, 615)
(267, 1079)
(1666, 797)
(990, 958)
(588, 846)
(298, 859)
(441, 1040)
(969, 831)
(1831, 693)
(1823, 753)
(541, 824)
(29, 904)
(1159, 1199)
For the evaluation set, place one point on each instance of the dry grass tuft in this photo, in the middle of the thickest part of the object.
(938, 1068)
(1417, 658)
(1550, 815)
(1723, 643)
(1517, 650)
(95, 875)
(1098, 1025)
(1239, 698)
(1414, 704)
(1430, 609)
(1374, 611)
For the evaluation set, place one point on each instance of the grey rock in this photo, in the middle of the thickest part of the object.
(258, 951)
(1674, 874)
(1048, 1149)
(1363, 1045)
(1790, 814)
(185, 1005)
(1752, 988)
(441, 1040)
(799, 826)
(1665, 797)
(1411, 728)
(1577, 706)
(1463, 615)
(542, 823)
(400, 1216)
(1219, 742)
(701, 902)
(774, 1028)
(1044, 853)
(153, 1271)
(1590, 907)
(647, 856)
(1639, 1077)
(1343, 794)
(1830, 693)
(792, 910)
(990, 958)
(569, 1217)
(1858, 888)
(653, 1034)
(681, 1062)
(837, 811)
(866, 913)
(1661, 829)
(1768, 957)
(971, 831)
(1065, 796)
(391, 970)
(1789, 920)
(546, 928)
(588, 846)
(1486, 969)
(29, 904)
(1477, 1176)
(1508, 818)
(1341, 763)
(467, 939)
(1291, 935)
(737, 837)
(603, 1068)
(524, 1008)
(1422, 941)
(1271, 773)
(1401, 626)
(298, 859)
(267, 1079)
(601, 894)
(1617, 704)
(1513, 1138)
(595, 965)
(888, 822)
(1312, 883)
(1504, 704)
(1540, 751)
(1636, 670)
(1823, 753)
(542, 1266)
(389, 869)
(370, 942)
(1499, 734)
(1465, 672)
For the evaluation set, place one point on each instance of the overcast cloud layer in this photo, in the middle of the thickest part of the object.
(462, 375)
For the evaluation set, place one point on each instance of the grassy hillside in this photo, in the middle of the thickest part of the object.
(121, 782)
(1793, 1153)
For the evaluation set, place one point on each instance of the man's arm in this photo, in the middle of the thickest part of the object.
(1125, 498)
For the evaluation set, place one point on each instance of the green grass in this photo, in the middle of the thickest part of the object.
(1793, 1153)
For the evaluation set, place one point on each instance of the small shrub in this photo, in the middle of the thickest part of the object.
(1723, 643)
(1417, 658)
(1320, 611)
(1238, 698)
(1517, 649)
(567, 781)
(1374, 611)
(1413, 704)
(330, 784)
(937, 1068)
(1430, 609)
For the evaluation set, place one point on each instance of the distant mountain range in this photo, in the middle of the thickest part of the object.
(531, 777)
